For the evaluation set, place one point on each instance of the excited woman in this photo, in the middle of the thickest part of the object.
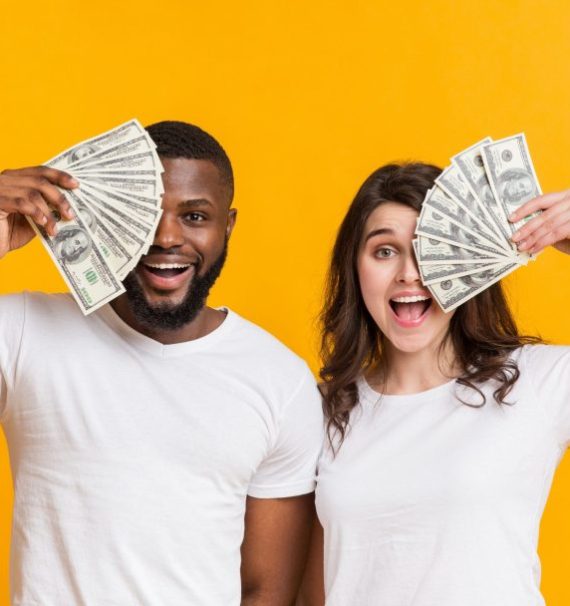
(444, 429)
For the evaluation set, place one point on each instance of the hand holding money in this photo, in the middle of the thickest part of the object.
(95, 207)
(549, 228)
(30, 192)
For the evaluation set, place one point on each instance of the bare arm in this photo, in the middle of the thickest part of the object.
(274, 549)
(312, 592)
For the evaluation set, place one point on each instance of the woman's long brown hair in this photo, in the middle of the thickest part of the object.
(482, 332)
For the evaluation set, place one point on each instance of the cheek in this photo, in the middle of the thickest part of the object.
(374, 281)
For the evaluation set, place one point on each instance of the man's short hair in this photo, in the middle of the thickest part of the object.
(182, 140)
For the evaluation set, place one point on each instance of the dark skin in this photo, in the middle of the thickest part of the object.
(196, 220)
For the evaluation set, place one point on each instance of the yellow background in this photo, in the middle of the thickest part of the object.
(308, 98)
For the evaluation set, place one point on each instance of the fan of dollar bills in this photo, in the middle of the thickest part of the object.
(463, 241)
(117, 209)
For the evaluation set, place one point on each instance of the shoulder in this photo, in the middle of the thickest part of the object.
(541, 354)
(258, 343)
(274, 367)
(31, 308)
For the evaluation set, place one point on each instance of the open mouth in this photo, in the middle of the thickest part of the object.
(410, 309)
(167, 270)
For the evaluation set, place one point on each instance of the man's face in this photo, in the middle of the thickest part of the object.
(171, 282)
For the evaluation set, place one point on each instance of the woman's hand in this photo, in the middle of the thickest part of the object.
(31, 192)
(550, 228)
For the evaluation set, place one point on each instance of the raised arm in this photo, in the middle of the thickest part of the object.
(29, 192)
(274, 549)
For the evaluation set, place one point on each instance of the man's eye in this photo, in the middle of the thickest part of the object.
(194, 217)
(384, 253)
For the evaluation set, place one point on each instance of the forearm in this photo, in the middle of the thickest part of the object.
(261, 597)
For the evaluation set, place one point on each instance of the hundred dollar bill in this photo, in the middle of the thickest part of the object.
(148, 187)
(144, 212)
(443, 204)
(453, 184)
(470, 163)
(91, 147)
(80, 262)
(146, 160)
(432, 223)
(432, 251)
(121, 151)
(511, 175)
(440, 271)
(454, 292)
(117, 257)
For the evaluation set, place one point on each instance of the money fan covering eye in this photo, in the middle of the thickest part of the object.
(117, 210)
(463, 243)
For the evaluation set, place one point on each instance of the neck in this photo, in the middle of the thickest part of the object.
(205, 322)
(413, 372)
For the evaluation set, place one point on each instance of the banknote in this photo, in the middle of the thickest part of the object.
(437, 272)
(470, 163)
(454, 185)
(453, 292)
(432, 251)
(110, 139)
(433, 224)
(80, 261)
(445, 205)
(511, 175)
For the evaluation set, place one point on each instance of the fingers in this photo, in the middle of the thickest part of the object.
(53, 175)
(33, 193)
(548, 228)
(539, 203)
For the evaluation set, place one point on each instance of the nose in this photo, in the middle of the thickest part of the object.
(169, 232)
(408, 272)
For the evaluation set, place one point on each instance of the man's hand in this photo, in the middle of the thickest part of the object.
(550, 228)
(27, 192)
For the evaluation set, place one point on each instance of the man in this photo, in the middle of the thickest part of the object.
(154, 439)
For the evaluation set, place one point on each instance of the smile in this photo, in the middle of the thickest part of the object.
(410, 311)
(166, 276)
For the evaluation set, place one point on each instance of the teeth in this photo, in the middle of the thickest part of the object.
(168, 265)
(414, 299)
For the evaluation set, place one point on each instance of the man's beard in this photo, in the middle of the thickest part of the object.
(165, 316)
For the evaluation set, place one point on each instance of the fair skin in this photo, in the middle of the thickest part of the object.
(386, 270)
(197, 219)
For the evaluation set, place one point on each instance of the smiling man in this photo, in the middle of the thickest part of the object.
(158, 445)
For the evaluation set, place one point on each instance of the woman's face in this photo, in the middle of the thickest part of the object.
(390, 283)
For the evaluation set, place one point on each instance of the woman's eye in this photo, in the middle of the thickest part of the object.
(384, 253)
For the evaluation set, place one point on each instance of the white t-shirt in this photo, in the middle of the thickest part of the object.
(433, 503)
(132, 460)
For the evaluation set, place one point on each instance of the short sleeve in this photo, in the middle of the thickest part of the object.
(12, 314)
(549, 368)
(289, 469)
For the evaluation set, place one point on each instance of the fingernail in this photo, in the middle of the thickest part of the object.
(74, 182)
(522, 245)
(513, 217)
(516, 237)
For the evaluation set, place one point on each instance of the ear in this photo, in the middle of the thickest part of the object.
(232, 217)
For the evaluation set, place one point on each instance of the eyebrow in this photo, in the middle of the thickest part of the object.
(195, 202)
(379, 232)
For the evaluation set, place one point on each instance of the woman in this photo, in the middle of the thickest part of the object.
(445, 429)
